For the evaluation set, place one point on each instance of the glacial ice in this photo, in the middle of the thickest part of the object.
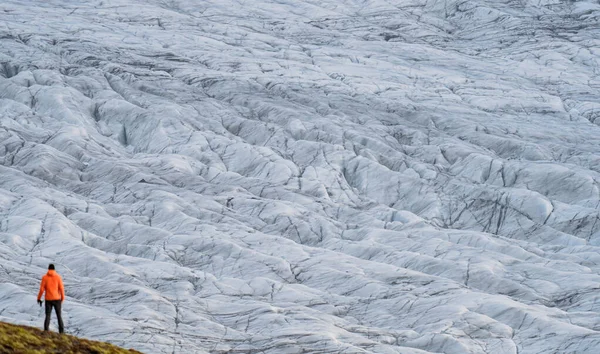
(292, 176)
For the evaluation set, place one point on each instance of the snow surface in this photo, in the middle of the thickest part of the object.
(323, 176)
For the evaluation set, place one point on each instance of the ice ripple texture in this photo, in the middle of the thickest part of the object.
(305, 176)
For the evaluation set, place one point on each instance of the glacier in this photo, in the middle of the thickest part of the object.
(292, 176)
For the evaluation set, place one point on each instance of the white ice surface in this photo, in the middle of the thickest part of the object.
(287, 176)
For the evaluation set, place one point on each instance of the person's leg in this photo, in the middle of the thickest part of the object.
(58, 309)
(48, 313)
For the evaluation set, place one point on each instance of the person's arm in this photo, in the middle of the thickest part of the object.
(61, 288)
(42, 288)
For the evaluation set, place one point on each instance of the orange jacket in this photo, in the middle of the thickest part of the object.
(52, 284)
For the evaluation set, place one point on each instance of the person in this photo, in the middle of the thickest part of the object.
(52, 285)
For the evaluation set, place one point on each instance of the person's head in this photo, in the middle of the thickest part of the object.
(51, 266)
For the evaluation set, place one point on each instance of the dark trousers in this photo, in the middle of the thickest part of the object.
(57, 304)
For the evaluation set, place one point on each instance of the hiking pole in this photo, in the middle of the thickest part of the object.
(40, 311)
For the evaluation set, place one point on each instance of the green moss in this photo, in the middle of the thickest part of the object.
(22, 339)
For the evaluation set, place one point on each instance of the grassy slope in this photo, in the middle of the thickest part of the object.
(21, 339)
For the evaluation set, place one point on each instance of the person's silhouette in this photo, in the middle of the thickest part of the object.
(52, 284)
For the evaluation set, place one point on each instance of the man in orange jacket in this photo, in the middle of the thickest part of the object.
(55, 294)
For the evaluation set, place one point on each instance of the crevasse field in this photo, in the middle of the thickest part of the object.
(323, 176)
